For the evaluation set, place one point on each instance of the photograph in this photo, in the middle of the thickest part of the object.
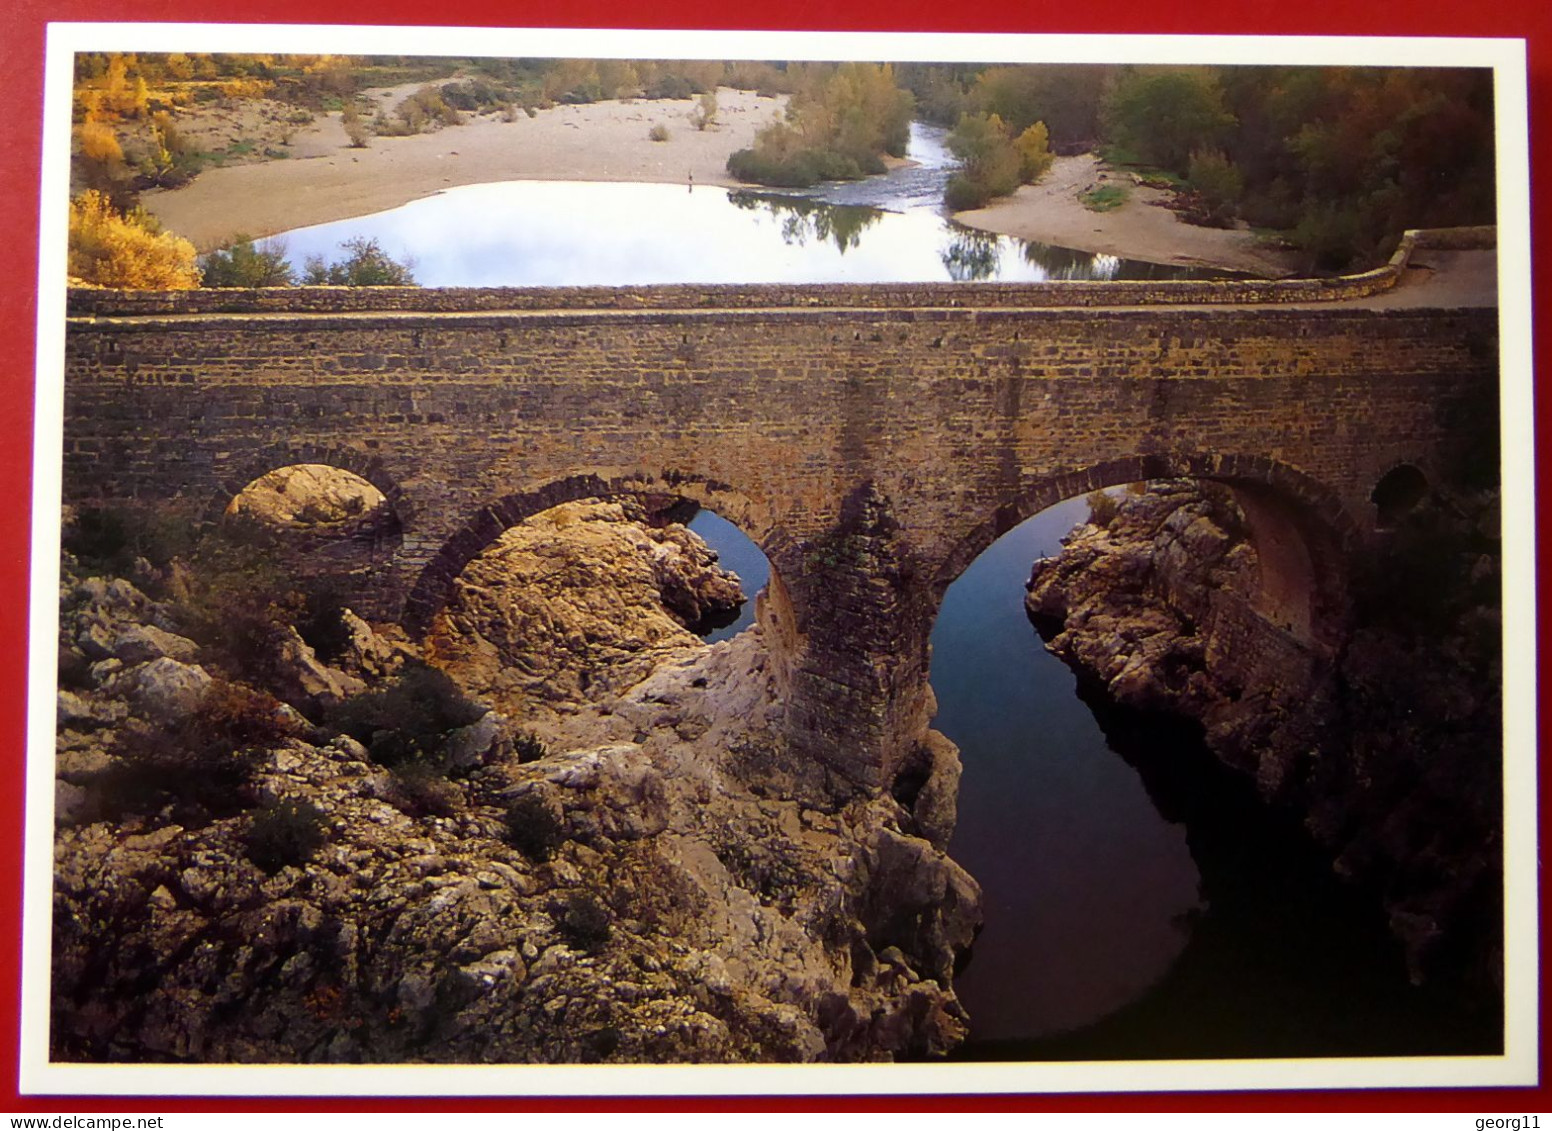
(998, 563)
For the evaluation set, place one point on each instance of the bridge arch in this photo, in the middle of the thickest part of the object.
(238, 475)
(434, 582)
(1303, 533)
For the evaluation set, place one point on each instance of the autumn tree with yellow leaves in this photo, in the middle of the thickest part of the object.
(130, 250)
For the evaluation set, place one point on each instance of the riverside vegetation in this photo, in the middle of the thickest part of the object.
(1335, 161)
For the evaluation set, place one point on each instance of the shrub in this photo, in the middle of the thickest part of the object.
(200, 765)
(420, 790)
(528, 748)
(246, 264)
(1103, 507)
(1218, 184)
(286, 832)
(584, 921)
(534, 826)
(706, 113)
(1035, 156)
(110, 538)
(658, 132)
(410, 719)
(366, 265)
(128, 250)
(990, 161)
(355, 129)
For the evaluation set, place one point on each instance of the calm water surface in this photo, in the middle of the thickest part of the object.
(563, 233)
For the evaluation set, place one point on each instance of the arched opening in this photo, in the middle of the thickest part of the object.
(335, 515)
(587, 596)
(1397, 494)
(1140, 899)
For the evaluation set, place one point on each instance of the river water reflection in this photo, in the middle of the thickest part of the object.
(887, 229)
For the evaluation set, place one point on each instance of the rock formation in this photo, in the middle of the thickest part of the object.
(620, 864)
(1390, 751)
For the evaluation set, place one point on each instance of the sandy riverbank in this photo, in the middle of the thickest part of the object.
(327, 180)
(1050, 212)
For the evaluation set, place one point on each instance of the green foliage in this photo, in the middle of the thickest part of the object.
(1217, 185)
(285, 833)
(1106, 198)
(366, 265)
(841, 121)
(584, 921)
(410, 719)
(1065, 97)
(246, 264)
(534, 826)
(1163, 114)
(990, 162)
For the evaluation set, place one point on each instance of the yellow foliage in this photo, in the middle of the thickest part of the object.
(129, 252)
(99, 143)
(1035, 156)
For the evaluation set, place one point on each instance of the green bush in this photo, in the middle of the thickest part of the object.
(534, 826)
(527, 747)
(410, 719)
(245, 264)
(1218, 184)
(584, 921)
(365, 265)
(285, 833)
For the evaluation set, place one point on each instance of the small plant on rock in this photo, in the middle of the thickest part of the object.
(534, 827)
(284, 833)
(584, 921)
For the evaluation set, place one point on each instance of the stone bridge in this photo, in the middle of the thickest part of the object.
(872, 440)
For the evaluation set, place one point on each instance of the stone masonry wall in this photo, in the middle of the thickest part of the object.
(954, 421)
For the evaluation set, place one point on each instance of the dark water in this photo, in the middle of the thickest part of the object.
(1140, 902)
(1089, 891)
(735, 552)
(560, 233)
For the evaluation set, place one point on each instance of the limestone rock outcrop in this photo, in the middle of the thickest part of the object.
(643, 876)
(1389, 750)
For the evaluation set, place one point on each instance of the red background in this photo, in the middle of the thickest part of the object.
(22, 25)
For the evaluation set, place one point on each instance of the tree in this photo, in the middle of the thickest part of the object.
(990, 162)
(1218, 183)
(244, 264)
(1035, 154)
(1160, 116)
(126, 250)
(367, 265)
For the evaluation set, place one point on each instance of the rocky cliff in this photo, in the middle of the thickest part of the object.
(1390, 749)
(604, 855)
